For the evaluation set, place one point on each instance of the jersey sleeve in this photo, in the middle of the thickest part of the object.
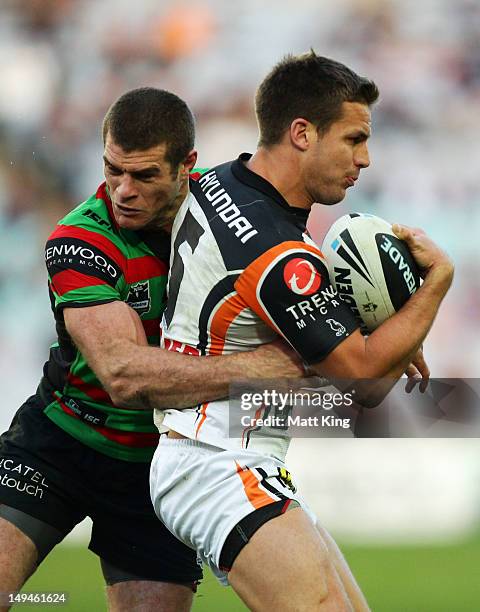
(289, 288)
(85, 268)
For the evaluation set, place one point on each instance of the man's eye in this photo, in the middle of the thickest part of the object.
(114, 171)
(145, 178)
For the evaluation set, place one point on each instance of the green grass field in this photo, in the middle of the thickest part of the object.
(394, 579)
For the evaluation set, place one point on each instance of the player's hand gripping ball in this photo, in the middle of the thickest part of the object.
(372, 270)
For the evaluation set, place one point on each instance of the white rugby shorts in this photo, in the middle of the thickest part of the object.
(200, 492)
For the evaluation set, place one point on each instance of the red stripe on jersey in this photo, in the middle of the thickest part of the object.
(137, 439)
(68, 280)
(248, 281)
(102, 194)
(141, 268)
(195, 175)
(95, 393)
(93, 238)
(152, 327)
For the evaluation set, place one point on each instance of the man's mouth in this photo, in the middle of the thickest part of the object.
(351, 180)
(127, 210)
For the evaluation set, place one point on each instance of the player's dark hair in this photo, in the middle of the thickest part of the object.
(147, 117)
(311, 87)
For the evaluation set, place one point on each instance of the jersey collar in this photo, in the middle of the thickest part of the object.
(245, 175)
(102, 194)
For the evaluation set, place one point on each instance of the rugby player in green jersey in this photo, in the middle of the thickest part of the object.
(82, 445)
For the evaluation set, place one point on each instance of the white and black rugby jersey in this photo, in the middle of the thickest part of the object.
(243, 270)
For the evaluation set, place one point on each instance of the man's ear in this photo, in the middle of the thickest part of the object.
(189, 163)
(301, 133)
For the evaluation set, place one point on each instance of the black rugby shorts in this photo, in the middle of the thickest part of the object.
(49, 475)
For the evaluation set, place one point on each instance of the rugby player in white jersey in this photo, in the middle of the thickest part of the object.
(238, 241)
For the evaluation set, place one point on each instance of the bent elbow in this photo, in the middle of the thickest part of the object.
(120, 391)
(122, 387)
(125, 394)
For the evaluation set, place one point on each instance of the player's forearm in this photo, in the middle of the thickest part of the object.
(148, 377)
(374, 364)
(160, 379)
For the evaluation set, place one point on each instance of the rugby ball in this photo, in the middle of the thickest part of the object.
(372, 270)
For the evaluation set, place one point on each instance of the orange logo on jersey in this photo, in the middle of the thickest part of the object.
(302, 277)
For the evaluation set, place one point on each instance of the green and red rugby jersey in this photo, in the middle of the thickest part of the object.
(91, 261)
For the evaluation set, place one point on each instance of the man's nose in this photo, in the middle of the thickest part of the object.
(362, 157)
(126, 189)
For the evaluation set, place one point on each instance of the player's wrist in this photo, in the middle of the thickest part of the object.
(440, 275)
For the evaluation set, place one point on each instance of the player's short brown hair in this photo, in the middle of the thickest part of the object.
(147, 117)
(311, 87)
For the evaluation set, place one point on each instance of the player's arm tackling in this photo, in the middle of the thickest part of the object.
(112, 340)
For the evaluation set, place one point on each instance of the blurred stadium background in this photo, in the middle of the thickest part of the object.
(407, 511)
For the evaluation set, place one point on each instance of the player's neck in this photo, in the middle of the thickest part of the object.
(279, 167)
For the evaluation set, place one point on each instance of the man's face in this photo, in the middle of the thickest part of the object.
(336, 157)
(145, 190)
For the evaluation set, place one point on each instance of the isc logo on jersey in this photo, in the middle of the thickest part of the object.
(302, 277)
